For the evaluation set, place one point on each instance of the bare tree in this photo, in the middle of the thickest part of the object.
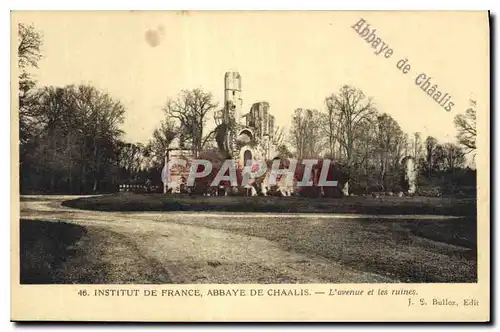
(131, 157)
(76, 140)
(278, 136)
(403, 147)
(390, 142)
(417, 146)
(191, 110)
(101, 116)
(348, 109)
(51, 114)
(305, 134)
(362, 170)
(28, 53)
(28, 47)
(331, 129)
(466, 126)
(453, 156)
(284, 151)
(161, 141)
(430, 147)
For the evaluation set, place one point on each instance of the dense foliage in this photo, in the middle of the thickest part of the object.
(70, 139)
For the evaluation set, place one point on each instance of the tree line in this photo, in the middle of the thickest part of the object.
(371, 144)
(70, 138)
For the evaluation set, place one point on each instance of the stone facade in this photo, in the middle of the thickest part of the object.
(248, 136)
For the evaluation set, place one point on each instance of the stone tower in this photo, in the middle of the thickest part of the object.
(232, 97)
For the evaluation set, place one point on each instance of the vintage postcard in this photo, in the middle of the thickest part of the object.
(191, 166)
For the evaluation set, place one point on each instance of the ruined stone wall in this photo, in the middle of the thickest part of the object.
(258, 119)
(409, 175)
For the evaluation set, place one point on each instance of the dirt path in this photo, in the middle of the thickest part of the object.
(190, 254)
(146, 247)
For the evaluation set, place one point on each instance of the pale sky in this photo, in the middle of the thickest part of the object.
(290, 59)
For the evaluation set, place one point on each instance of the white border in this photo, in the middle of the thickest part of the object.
(252, 5)
(179, 5)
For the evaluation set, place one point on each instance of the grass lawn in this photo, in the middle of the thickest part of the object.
(127, 247)
(65, 253)
(404, 250)
(361, 205)
(400, 250)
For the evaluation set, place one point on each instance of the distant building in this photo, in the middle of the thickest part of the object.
(177, 175)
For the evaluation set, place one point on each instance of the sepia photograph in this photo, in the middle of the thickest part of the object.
(262, 148)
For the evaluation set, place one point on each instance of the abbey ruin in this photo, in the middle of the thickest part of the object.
(240, 136)
(247, 138)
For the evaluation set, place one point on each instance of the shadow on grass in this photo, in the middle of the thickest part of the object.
(64, 253)
(354, 205)
(44, 246)
(430, 251)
